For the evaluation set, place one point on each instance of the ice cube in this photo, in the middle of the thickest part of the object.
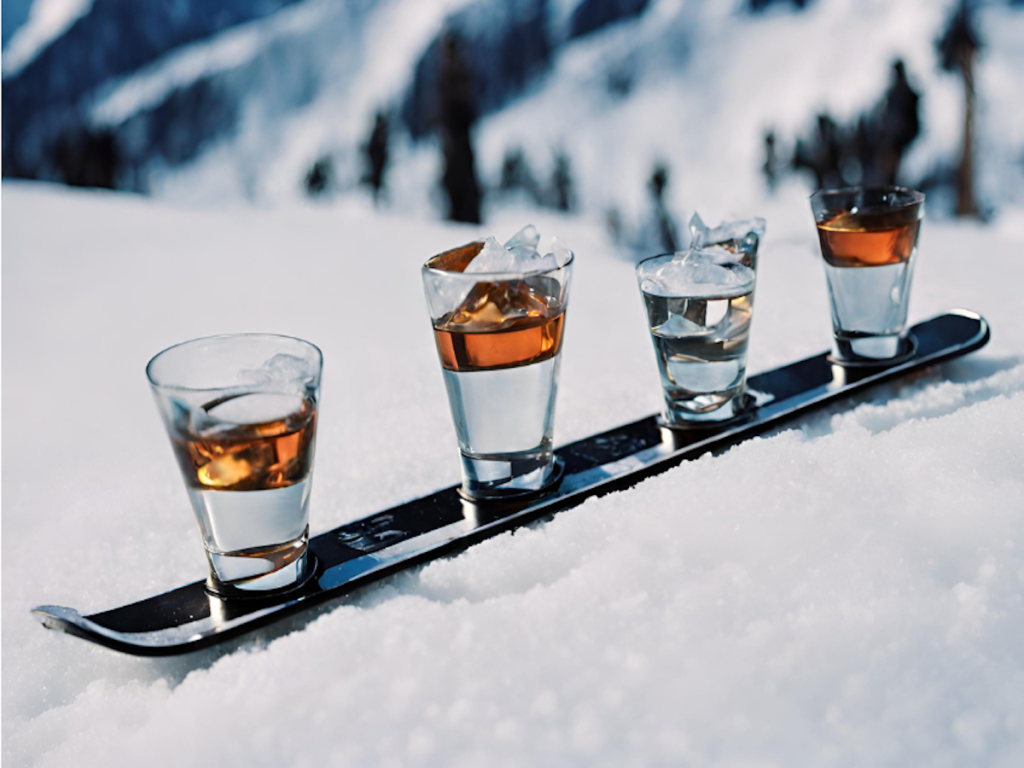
(282, 367)
(847, 221)
(275, 412)
(493, 257)
(490, 306)
(519, 255)
(678, 327)
(725, 233)
(699, 376)
(560, 251)
(557, 257)
(523, 244)
(544, 263)
(279, 370)
(225, 471)
(704, 273)
(525, 256)
(256, 408)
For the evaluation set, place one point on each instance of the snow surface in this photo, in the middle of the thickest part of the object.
(847, 592)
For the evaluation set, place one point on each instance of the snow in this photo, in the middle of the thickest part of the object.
(150, 86)
(848, 591)
(47, 20)
(354, 58)
(708, 80)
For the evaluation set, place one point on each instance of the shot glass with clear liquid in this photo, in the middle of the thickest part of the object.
(699, 308)
(868, 239)
(241, 414)
(498, 330)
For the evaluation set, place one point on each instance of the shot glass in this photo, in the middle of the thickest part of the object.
(499, 338)
(868, 239)
(241, 414)
(699, 308)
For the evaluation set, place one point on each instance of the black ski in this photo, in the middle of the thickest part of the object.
(188, 618)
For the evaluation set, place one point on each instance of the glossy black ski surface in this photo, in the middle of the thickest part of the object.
(188, 618)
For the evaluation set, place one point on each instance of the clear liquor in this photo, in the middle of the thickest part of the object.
(869, 258)
(499, 353)
(246, 460)
(701, 347)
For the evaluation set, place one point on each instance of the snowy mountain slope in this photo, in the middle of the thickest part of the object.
(152, 85)
(244, 114)
(281, 90)
(44, 87)
(690, 83)
(242, 88)
(35, 24)
(708, 83)
(15, 14)
(847, 592)
(235, 83)
(507, 45)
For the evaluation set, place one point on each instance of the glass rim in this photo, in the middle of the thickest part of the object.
(221, 337)
(646, 259)
(916, 196)
(478, 277)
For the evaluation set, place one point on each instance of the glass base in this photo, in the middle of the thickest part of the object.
(261, 569)
(863, 348)
(735, 406)
(230, 592)
(508, 475)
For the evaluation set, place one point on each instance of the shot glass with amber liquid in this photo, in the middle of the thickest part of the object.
(241, 414)
(868, 238)
(498, 318)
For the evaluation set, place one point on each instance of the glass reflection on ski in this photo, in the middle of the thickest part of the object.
(498, 313)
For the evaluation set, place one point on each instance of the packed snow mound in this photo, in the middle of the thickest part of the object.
(846, 592)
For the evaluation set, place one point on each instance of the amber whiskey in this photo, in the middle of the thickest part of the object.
(246, 460)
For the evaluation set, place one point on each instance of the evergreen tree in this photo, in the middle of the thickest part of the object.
(821, 154)
(899, 125)
(516, 175)
(375, 152)
(320, 177)
(957, 49)
(88, 158)
(663, 220)
(457, 114)
(771, 161)
(561, 183)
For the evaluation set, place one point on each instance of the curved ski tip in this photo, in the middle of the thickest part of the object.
(52, 616)
(985, 331)
(968, 313)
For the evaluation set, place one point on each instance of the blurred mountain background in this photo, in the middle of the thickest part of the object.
(632, 112)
